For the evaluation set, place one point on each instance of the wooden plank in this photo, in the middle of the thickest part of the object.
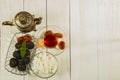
(109, 40)
(88, 39)
(75, 40)
(9, 8)
(104, 47)
(37, 8)
(58, 14)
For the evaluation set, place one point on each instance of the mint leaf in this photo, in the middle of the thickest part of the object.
(23, 49)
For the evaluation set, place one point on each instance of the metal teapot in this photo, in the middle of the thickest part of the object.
(24, 21)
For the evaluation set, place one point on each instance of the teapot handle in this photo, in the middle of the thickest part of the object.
(37, 20)
(8, 23)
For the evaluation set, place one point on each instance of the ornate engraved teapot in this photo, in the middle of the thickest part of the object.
(24, 21)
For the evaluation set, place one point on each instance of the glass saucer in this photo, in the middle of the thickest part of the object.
(55, 29)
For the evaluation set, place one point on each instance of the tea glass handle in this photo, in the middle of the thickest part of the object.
(8, 23)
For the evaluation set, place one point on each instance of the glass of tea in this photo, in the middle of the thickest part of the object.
(51, 38)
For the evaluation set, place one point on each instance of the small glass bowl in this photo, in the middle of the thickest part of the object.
(55, 29)
(9, 55)
(44, 64)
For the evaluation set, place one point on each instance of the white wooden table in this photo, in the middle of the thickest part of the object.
(57, 14)
(95, 36)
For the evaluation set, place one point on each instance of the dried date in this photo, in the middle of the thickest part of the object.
(61, 45)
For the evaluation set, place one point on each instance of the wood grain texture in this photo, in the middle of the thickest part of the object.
(8, 11)
(95, 36)
(99, 21)
(38, 8)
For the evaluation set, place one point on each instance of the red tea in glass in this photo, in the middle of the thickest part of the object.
(50, 41)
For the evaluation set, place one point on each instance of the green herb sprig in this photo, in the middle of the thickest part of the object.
(23, 49)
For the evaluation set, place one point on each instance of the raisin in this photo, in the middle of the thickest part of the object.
(13, 62)
(23, 38)
(58, 35)
(48, 32)
(21, 62)
(61, 45)
(20, 39)
(26, 60)
(18, 45)
(30, 44)
(21, 67)
(27, 38)
(16, 54)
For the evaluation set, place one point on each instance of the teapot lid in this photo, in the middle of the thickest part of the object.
(23, 19)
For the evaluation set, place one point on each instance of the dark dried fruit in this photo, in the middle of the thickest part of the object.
(58, 35)
(50, 41)
(21, 62)
(27, 53)
(18, 45)
(13, 62)
(30, 44)
(26, 60)
(16, 54)
(21, 67)
(61, 45)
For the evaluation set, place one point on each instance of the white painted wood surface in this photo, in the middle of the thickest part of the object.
(95, 35)
(54, 16)
(99, 39)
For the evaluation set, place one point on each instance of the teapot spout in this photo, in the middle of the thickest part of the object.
(38, 20)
